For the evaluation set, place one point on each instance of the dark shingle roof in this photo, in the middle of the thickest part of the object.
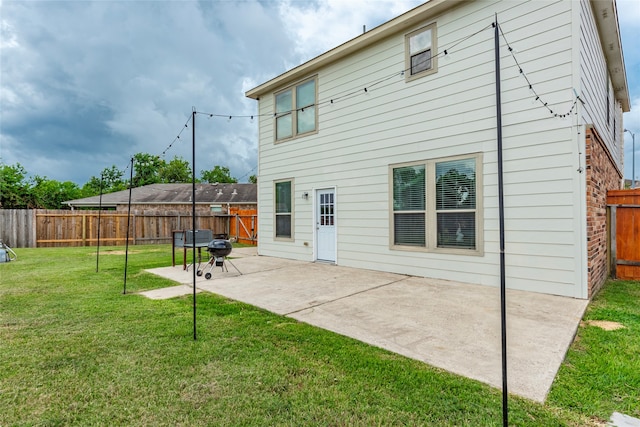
(163, 194)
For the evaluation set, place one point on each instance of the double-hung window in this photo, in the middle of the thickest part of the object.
(436, 205)
(420, 52)
(283, 209)
(409, 205)
(296, 110)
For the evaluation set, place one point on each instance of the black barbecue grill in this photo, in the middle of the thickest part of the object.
(218, 250)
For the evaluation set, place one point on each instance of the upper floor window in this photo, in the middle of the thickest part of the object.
(421, 52)
(296, 110)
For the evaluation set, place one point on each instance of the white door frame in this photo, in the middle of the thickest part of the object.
(316, 193)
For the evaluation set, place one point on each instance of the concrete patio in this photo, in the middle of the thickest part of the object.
(449, 325)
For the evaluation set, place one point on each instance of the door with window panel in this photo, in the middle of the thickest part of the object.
(326, 225)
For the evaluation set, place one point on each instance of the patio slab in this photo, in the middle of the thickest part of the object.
(453, 326)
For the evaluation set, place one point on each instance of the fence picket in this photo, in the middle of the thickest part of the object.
(45, 228)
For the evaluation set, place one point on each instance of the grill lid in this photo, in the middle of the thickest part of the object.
(219, 247)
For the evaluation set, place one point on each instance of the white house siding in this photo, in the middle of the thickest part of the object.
(451, 112)
(594, 81)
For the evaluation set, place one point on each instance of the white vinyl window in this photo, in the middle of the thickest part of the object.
(420, 52)
(283, 209)
(409, 205)
(296, 110)
(436, 205)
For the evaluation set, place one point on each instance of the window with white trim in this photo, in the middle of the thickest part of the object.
(296, 110)
(421, 52)
(283, 209)
(436, 205)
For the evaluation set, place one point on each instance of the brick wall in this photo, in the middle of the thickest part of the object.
(602, 175)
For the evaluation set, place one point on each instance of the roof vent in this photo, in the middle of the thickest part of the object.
(235, 192)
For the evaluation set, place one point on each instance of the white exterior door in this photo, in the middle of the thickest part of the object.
(326, 225)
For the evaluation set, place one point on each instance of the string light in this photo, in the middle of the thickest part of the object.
(350, 93)
(537, 98)
(391, 79)
(186, 126)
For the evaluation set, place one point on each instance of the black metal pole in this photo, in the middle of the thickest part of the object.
(99, 211)
(126, 252)
(193, 211)
(503, 287)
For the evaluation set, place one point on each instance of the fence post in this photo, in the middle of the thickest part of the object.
(33, 237)
(612, 240)
(253, 228)
(84, 230)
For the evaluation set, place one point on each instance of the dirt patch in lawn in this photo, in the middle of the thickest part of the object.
(607, 325)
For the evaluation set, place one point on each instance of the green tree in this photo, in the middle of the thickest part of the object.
(110, 180)
(49, 194)
(14, 190)
(253, 179)
(177, 170)
(146, 169)
(219, 174)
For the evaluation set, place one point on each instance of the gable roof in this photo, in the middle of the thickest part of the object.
(401, 23)
(173, 194)
(605, 13)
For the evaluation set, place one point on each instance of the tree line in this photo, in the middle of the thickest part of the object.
(17, 191)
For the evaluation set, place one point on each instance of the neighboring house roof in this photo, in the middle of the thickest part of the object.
(605, 14)
(168, 194)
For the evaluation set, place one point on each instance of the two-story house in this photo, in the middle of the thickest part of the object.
(381, 153)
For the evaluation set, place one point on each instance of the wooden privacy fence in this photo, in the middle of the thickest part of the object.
(624, 232)
(17, 227)
(243, 224)
(49, 228)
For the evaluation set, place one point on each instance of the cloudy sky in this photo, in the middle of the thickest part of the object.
(84, 85)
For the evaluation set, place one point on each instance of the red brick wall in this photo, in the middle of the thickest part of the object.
(602, 175)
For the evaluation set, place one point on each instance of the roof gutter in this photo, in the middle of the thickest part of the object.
(90, 205)
(124, 202)
(606, 16)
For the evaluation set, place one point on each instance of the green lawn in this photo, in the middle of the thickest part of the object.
(601, 373)
(75, 350)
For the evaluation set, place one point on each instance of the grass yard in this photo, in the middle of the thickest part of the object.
(74, 350)
(601, 373)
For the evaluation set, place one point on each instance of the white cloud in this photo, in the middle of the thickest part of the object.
(316, 27)
(97, 82)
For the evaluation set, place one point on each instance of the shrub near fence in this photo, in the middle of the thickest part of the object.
(51, 228)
